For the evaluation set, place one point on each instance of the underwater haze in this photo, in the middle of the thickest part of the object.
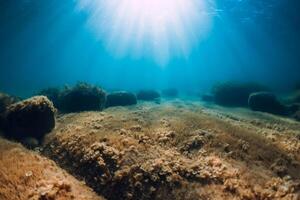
(135, 44)
(149, 99)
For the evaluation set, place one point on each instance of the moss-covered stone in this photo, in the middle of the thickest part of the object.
(52, 94)
(148, 95)
(121, 98)
(32, 117)
(266, 102)
(82, 97)
(234, 93)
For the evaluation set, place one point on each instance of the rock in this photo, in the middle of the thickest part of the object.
(120, 99)
(52, 94)
(235, 94)
(171, 92)
(33, 117)
(82, 97)
(6, 100)
(148, 95)
(266, 102)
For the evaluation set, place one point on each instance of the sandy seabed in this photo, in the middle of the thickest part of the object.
(173, 150)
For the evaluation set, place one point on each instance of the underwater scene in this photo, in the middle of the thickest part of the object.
(149, 99)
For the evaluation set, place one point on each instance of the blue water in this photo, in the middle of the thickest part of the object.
(52, 43)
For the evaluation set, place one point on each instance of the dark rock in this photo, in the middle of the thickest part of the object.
(266, 102)
(82, 97)
(148, 95)
(53, 95)
(120, 99)
(6, 100)
(235, 94)
(171, 92)
(207, 98)
(33, 117)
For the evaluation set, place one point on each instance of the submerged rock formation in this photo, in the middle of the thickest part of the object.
(235, 94)
(5, 101)
(266, 102)
(82, 97)
(148, 95)
(33, 117)
(52, 94)
(121, 98)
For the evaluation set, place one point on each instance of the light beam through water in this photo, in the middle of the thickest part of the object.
(156, 29)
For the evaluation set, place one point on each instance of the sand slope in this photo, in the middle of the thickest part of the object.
(180, 150)
(174, 150)
(26, 175)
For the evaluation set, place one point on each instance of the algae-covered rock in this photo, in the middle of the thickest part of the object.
(148, 95)
(82, 97)
(33, 117)
(266, 102)
(234, 93)
(170, 92)
(121, 98)
(6, 100)
(52, 94)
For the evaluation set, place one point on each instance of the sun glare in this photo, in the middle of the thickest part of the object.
(160, 29)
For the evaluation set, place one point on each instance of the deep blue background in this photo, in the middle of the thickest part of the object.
(47, 43)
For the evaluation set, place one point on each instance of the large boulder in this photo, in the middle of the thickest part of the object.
(33, 117)
(82, 97)
(170, 92)
(121, 98)
(148, 95)
(5, 101)
(52, 94)
(234, 93)
(266, 102)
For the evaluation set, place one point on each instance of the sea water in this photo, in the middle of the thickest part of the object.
(136, 44)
